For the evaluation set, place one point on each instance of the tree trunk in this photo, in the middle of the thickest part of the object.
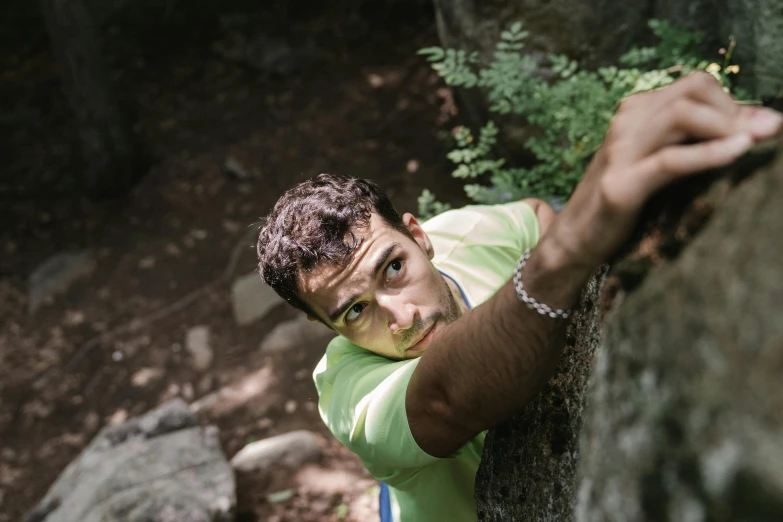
(105, 144)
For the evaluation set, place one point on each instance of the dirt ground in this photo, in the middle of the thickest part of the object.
(364, 105)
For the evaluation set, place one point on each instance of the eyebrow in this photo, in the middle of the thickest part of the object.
(382, 258)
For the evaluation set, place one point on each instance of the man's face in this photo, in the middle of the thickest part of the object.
(389, 298)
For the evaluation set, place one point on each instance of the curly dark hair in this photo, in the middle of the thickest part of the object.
(315, 222)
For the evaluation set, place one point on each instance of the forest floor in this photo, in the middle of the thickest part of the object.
(363, 104)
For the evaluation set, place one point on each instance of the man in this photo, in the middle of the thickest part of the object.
(437, 341)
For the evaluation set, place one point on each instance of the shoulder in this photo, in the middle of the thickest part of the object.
(509, 225)
(508, 216)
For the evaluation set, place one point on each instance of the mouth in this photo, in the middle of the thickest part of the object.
(420, 345)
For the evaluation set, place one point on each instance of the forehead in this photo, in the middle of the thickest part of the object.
(327, 284)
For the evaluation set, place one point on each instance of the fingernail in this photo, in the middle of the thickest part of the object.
(765, 121)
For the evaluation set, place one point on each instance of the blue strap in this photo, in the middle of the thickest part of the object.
(385, 504)
(461, 291)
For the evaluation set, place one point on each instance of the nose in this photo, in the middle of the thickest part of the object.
(401, 314)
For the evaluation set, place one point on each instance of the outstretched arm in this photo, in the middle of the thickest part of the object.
(494, 359)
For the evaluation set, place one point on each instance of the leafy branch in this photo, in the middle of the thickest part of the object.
(571, 113)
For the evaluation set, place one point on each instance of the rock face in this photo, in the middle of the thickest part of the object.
(158, 467)
(757, 25)
(684, 418)
(686, 414)
(528, 469)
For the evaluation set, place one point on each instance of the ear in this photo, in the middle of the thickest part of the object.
(418, 233)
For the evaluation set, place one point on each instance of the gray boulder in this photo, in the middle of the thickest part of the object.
(158, 467)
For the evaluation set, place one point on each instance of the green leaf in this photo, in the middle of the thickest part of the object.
(432, 53)
(463, 171)
(457, 156)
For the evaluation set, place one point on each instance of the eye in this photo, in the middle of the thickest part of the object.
(354, 312)
(394, 268)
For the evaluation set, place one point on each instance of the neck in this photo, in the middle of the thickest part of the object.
(457, 294)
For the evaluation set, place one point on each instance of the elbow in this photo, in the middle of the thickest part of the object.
(545, 214)
(438, 428)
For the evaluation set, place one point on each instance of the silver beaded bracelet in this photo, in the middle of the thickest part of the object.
(541, 308)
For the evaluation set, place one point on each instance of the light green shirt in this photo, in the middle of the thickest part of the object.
(362, 395)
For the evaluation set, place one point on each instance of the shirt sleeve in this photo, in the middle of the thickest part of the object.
(524, 220)
(480, 245)
(511, 223)
(511, 226)
(362, 401)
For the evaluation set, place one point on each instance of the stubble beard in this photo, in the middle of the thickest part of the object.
(447, 313)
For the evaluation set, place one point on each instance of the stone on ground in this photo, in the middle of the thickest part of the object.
(299, 332)
(197, 344)
(292, 450)
(161, 466)
(252, 299)
(55, 275)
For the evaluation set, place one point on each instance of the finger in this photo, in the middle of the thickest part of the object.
(694, 120)
(681, 120)
(691, 120)
(680, 160)
(760, 122)
(703, 87)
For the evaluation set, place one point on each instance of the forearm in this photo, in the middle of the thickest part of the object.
(493, 360)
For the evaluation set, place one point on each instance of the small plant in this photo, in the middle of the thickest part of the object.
(571, 114)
